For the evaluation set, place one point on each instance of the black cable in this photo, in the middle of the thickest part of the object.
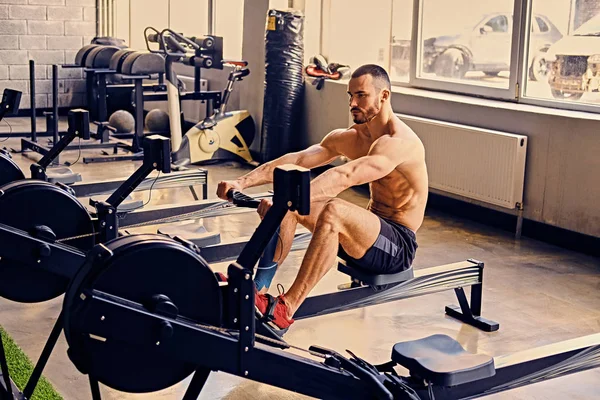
(150, 195)
(68, 164)
(9, 133)
(430, 390)
(281, 246)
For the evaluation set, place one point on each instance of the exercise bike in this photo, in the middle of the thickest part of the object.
(225, 135)
(142, 338)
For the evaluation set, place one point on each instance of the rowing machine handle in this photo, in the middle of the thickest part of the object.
(242, 200)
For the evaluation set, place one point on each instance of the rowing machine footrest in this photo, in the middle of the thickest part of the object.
(63, 175)
(128, 205)
(192, 231)
(441, 360)
(368, 278)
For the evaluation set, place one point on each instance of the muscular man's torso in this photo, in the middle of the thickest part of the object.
(401, 196)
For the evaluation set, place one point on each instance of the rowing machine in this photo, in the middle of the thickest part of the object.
(181, 321)
(79, 128)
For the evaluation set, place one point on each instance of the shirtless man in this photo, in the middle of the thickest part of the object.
(385, 153)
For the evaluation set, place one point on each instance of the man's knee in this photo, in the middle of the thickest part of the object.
(331, 216)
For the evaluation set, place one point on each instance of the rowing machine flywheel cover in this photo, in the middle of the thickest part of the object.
(29, 204)
(9, 170)
(137, 270)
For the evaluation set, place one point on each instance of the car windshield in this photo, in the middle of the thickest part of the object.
(590, 28)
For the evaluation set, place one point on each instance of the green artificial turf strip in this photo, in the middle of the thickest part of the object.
(20, 368)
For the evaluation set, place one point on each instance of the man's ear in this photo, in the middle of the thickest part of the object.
(385, 94)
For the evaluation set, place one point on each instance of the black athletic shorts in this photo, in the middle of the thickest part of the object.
(392, 252)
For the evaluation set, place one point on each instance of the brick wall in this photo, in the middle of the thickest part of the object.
(48, 32)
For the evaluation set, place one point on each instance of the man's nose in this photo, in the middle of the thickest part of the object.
(353, 102)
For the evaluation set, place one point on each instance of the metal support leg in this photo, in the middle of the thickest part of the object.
(519, 228)
(470, 315)
(43, 360)
(8, 393)
(95, 387)
(139, 116)
(55, 109)
(32, 96)
(196, 385)
(194, 194)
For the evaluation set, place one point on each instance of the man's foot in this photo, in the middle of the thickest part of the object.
(221, 277)
(273, 309)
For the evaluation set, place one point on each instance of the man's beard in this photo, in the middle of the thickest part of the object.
(365, 116)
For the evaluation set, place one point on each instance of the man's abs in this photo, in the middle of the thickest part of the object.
(403, 206)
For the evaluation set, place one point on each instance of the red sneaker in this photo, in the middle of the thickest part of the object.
(273, 309)
(221, 277)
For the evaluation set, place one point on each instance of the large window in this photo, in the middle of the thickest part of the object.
(357, 32)
(466, 46)
(472, 45)
(564, 52)
(543, 52)
(190, 17)
(402, 17)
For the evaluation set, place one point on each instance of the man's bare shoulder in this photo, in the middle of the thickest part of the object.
(339, 136)
(401, 141)
(400, 129)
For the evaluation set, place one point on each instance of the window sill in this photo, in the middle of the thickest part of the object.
(491, 103)
(482, 102)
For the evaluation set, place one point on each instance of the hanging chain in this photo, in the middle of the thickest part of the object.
(77, 237)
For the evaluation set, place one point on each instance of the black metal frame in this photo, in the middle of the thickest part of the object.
(426, 281)
(335, 378)
(237, 352)
(79, 127)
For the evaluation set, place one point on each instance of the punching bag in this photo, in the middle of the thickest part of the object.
(284, 83)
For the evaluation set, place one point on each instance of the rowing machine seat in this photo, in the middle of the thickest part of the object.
(441, 360)
(368, 278)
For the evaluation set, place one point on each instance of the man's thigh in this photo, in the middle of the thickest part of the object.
(358, 228)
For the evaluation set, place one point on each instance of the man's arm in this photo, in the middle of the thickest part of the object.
(314, 156)
(383, 157)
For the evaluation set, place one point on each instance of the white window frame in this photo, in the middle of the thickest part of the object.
(523, 72)
(516, 91)
(463, 87)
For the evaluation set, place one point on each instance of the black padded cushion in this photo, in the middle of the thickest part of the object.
(116, 61)
(368, 278)
(442, 361)
(99, 58)
(140, 63)
(82, 54)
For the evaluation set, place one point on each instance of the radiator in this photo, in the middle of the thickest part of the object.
(479, 164)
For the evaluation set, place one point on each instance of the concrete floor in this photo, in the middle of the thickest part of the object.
(539, 294)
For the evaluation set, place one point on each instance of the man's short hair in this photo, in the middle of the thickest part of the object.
(380, 76)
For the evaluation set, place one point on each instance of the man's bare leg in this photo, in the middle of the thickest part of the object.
(287, 230)
(339, 222)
